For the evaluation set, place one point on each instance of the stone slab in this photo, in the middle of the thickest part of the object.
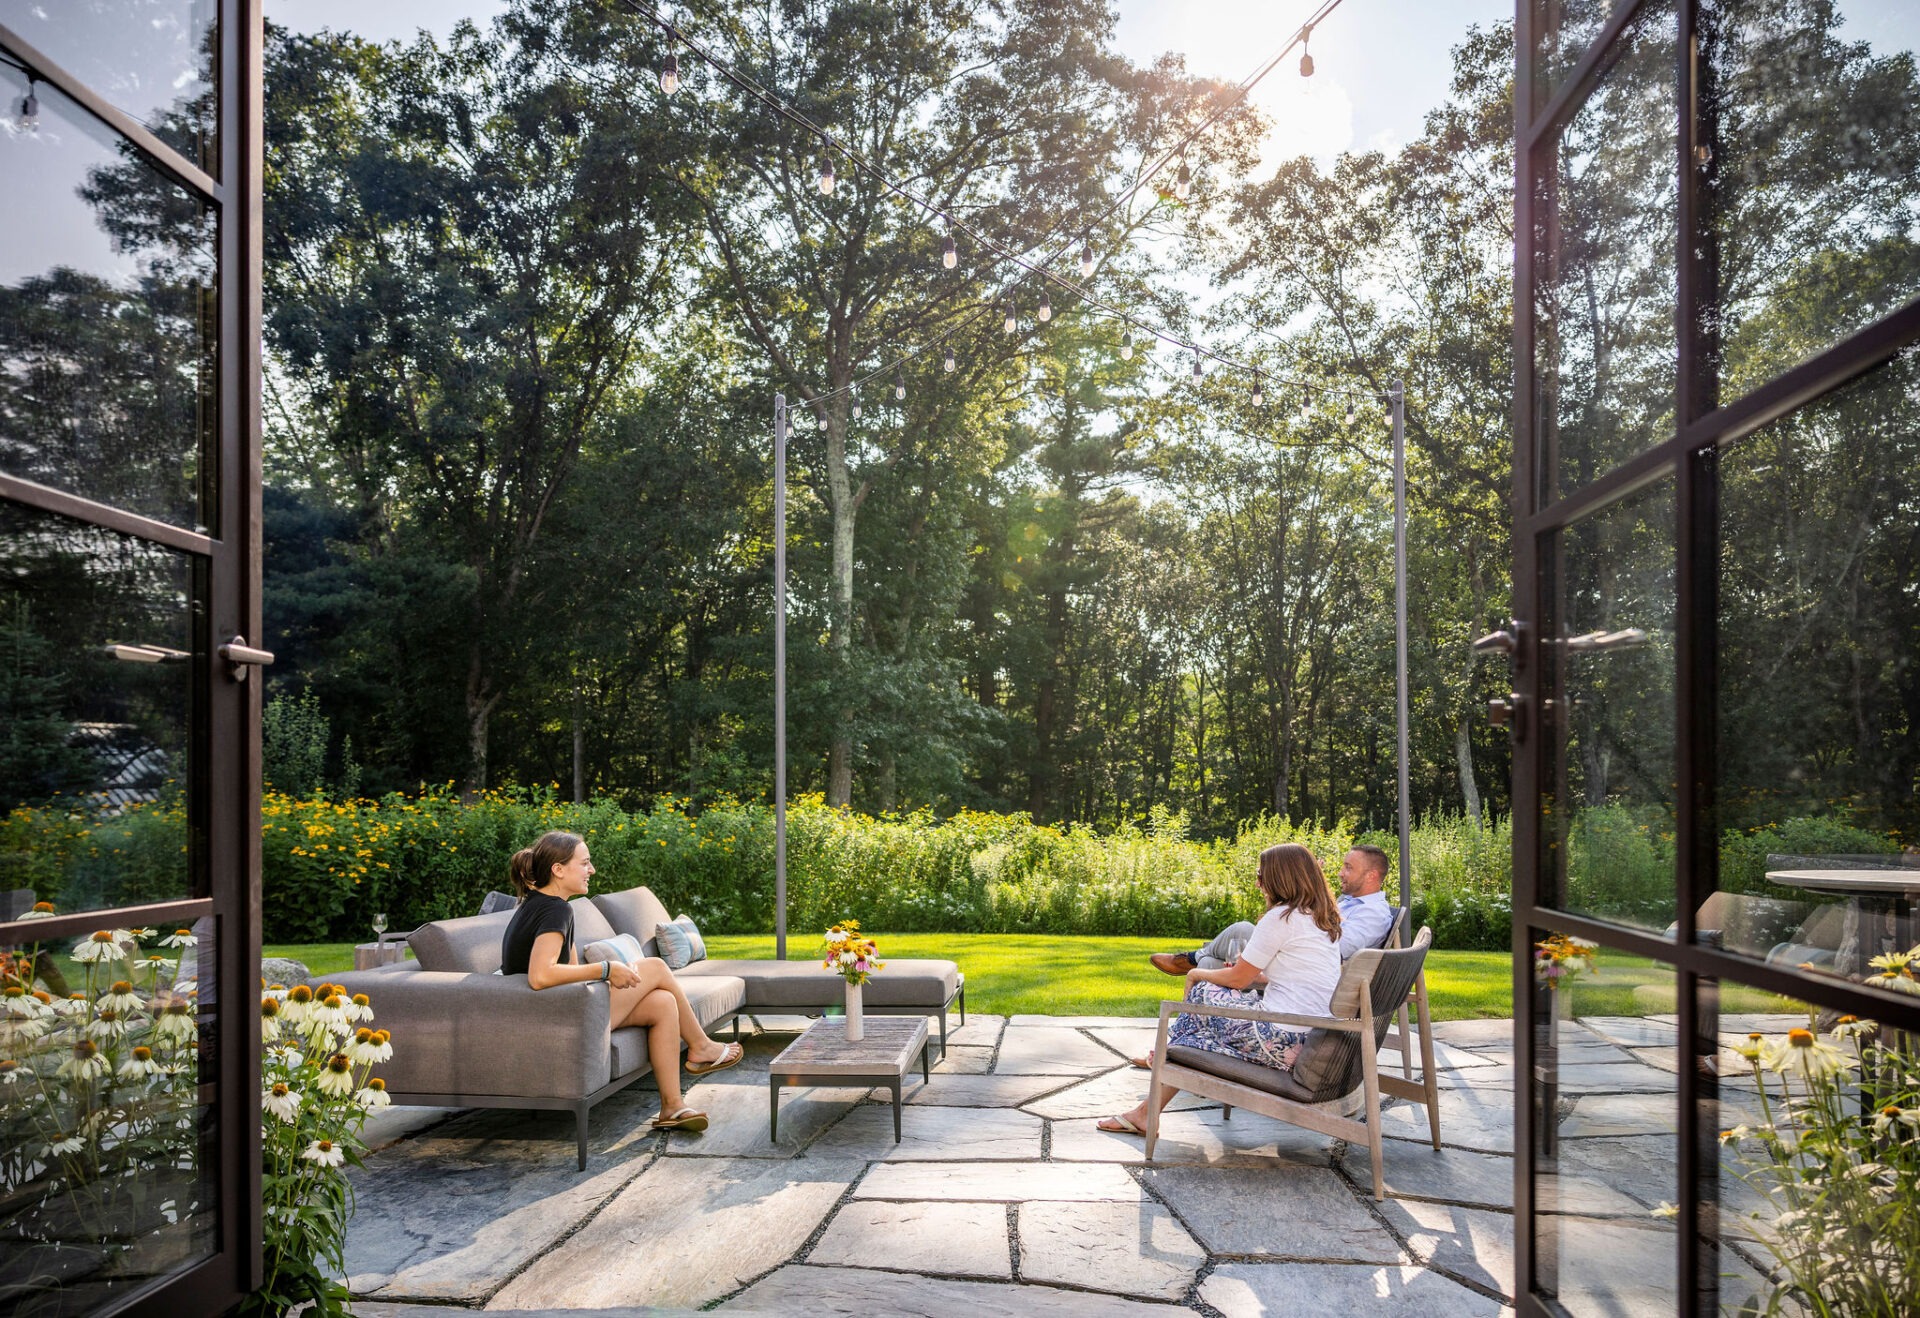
(1633, 1031)
(1471, 1244)
(1462, 1176)
(1203, 1137)
(1000, 1182)
(1078, 1022)
(739, 1113)
(1254, 1290)
(1498, 1076)
(1130, 1249)
(944, 1133)
(452, 1214)
(1035, 1050)
(1613, 1078)
(976, 1090)
(1128, 1041)
(686, 1232)
(946, 1239)
(1447, 1057)
(980, 1031)
(1625, 1268)
(1103, 1095)
(1494, 1033)
(858, 1293)
(392, 1124)
(1283, 1212)
(1471, 1118)
(966, 1060)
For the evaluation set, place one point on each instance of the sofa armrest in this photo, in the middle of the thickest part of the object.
(461, 1033)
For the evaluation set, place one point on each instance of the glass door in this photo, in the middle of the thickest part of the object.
(1716, 688)
(129, 745)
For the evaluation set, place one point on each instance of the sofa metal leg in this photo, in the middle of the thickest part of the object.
(580, 1117)
(963, 1005)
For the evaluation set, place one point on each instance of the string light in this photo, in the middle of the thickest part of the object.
(1306, 56)
(29, 118)
(899, 385)
(1306, 403)
(855, 409)
(826, 176)
(1349, 411)
(1126, 345)
(949, 254)
(1086, 261)
(1012, 322)
(947, 363)
(1259, 394)
(1196, 364)
(1183, 181)
(1046, 307)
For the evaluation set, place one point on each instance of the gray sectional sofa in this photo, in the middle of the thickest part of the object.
(466, 1036)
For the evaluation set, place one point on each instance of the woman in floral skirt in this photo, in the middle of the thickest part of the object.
(1296, 945)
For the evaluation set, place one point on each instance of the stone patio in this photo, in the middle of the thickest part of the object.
(1003, 1197)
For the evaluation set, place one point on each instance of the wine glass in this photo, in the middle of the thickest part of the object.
(379, 924)
(1235, 946)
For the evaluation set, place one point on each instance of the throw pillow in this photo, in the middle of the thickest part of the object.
(680, 943)
(624, 948)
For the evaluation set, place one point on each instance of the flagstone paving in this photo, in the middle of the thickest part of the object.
(1003, 1197)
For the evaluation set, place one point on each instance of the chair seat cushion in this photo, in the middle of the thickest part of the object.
(1267, 1079)
(774, 984)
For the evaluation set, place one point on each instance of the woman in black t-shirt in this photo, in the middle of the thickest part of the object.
(539, 945)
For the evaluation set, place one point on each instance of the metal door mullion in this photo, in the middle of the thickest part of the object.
(1578, 81)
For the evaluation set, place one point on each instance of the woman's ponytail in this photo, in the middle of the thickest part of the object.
(520, 871)
(532, 867)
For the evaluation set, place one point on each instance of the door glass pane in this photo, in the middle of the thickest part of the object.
(106, 1150)
(1815, 181)
(1605, 362)
(1605, 1102)
(101, 641)
(1819, 659)
(1607, 799)
(154, 59)
(1562, 32)
(107, 319)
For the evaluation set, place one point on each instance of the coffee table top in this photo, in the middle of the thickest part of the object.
(890, 1045)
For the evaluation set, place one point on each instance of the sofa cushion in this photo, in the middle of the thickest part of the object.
(623, 948)
(773, 984)
(626, 1051)
(468, 945)
(636, 911)
(680, 943)
(589, 925)
(714, 997)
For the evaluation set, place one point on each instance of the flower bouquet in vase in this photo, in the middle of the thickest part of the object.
(1558, 960)
(853, 956)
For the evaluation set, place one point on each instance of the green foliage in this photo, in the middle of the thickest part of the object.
(37, 759)
(293, 745)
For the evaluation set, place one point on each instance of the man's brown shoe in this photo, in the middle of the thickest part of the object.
(1172, 963)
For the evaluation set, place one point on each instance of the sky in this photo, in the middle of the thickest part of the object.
(1380, 65)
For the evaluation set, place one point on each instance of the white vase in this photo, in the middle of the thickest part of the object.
(856, 1026)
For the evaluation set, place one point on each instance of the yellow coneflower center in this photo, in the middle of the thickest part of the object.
(15, 991)
(280, 1090)
(183, 933)
(363, 1035)
(42, 996)
(269, 1006)
(1848, 1020)
(179, 1008)
(332, 1001)
(121, 986)
(1891, 1110)
(102, 936)
(76, 997)
(339, 1063)
(378, 1084)
(1800, 1038)
(8, 1064)
(301, 993)
(361, 1000)
(326, 1146)
(109, 1014)
(1755, 1037)
(143, 1054)
(381, 1036)
(45, 907)
(85, 1048)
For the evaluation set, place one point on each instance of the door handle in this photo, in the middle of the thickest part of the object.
(241, 658)
(146, 654)
(1594, 642)
(1505, 641)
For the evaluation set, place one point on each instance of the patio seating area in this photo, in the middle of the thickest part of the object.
(1003, 1197)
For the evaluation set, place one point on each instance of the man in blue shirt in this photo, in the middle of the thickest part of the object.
(1365, 917)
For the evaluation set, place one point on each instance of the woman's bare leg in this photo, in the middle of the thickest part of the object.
(654, 976)
(1138, 1116)
(655, 1011)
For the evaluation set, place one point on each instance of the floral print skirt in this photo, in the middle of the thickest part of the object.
(1261, 1042)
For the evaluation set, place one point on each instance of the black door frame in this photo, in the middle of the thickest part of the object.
(227, 885)
(1703, 426)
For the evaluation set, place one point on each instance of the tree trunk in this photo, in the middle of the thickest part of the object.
(480, 703)
(579, 748)
(841, 502)
(1463, 761)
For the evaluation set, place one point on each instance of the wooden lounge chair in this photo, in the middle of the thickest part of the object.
(1338, 1059)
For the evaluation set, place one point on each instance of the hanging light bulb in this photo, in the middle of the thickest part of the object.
(1046, 308)
(29, 118)
(1349, 411)
(1126, 345)
(949, 254)
(670, 73)
(1306, 56)
(1196, 364)
(1259, 395)
(1183, 181)
(1012, 322)
(899, 385)
(947, 363)
(826, 176)
(855, 409)
(1306, 403)
(1086, 261)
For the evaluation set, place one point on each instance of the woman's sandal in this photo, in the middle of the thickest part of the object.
(730, 1055)
(1122, 1125)
(681, 1118)
(1142, 1063)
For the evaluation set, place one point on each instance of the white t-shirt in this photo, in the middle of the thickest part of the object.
(1301, 963)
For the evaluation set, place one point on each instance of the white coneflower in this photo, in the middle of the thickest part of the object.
(74, 1004)
(297, 1007)
(367, 1048)
(107, 1026)
(1805, 1054)
(41, 911)
(330, 1011)
(104, 946)
(282, 1102)
(139, 1065)
(359, 1008)
(120, 998)
(180, 938)
(66, 1143)
(336, 1077)
(1889, 1120)
(159, 965)
(1738, 1133)
(176, 1022)
(86, 1063)
(11, 1072)
(1852, 1027)
(325, 1152)
(836, 936)
(269, 1019)
(1665, 1210)
(374, 1096)
(16, 1034)
(382, 1046)
(19, 1004)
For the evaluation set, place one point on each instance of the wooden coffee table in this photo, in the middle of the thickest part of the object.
(822, 1056)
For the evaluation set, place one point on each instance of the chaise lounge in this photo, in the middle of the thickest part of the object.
(468, 1036)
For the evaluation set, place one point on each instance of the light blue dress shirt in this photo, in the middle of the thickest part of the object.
(1364, 922)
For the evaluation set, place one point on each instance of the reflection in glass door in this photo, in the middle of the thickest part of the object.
(1717, 696)
(128, 742)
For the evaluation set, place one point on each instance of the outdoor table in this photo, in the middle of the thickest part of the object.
(386, 952)
(822, 1056)
(1898, 885)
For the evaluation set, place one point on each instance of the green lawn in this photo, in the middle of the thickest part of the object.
(1063, 976)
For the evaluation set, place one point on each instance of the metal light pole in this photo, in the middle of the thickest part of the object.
(780, 676)
(1396, 395)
